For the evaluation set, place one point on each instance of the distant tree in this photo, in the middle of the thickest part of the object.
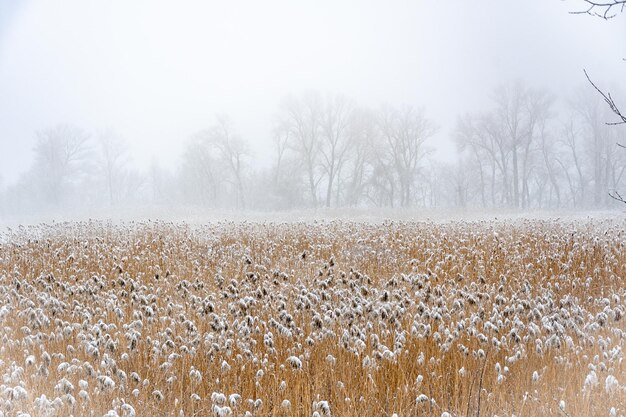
(598, 144)
(481, 137)
(337, 115)
(214, 166)
(572, 158)
(403, 133)
(281, 139)
(455, 182)
(521, 110)
(60, 153)
(621, 120)
(112, 161)
(199, 171)
(549, 156)
(232, 151)
(285, 173)
(507, 144)
(300, 117)
(361, 155)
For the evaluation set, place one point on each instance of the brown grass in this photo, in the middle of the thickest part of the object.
(66, 284)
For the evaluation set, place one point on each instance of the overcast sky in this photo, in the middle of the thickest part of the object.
(157, 71)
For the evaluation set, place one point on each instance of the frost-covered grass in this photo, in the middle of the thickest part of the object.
(505, 318)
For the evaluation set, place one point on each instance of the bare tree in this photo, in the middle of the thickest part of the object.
(59, 154)
(301, 116)
(571, 157)
(281, 140)
(460, 182)
(510, 102)
(404, 132)
(521, 110)
(599, 140)
(360, 155)
(485, 139)
(465, 140)
(214, 161)
(336, 117)
(538, 111)
(198, 172)
(508, 147)
(232, 151)
(112, 160)
(549, 158)
(285, 178)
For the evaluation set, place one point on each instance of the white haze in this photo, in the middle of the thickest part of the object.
(158, 71)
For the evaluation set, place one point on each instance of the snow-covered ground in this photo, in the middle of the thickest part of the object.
(197, 215)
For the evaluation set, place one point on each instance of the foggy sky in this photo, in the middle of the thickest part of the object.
(158, 71)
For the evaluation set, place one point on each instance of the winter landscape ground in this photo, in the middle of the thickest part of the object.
(459, 318)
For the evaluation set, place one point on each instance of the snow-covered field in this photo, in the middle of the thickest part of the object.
(516, 317)
(199, 216)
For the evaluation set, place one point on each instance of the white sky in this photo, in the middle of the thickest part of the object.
(157, 71)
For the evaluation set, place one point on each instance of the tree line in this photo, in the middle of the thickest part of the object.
(527, 151)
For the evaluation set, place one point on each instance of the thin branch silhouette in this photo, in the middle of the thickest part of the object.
(603, 9)
(609, 100)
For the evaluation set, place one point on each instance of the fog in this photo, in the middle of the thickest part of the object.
(190, 107)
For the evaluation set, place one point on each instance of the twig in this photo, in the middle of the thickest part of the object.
(609, 100)
(616, 196)
(607, 10)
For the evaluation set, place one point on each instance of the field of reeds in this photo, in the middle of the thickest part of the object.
(508, 318)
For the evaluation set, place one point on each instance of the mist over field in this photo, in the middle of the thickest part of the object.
(134, 109)
(313, 209)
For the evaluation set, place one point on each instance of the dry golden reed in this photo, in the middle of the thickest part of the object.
(517, 318)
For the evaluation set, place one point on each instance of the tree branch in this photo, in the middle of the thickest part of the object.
(603, 9)
(609, 100)
(617, 196)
